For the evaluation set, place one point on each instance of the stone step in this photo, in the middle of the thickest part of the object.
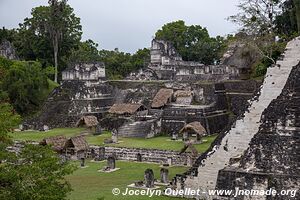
(237, 140)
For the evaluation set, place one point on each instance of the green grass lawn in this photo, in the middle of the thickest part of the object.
(89, 184)
(160, 142)
(39, 135)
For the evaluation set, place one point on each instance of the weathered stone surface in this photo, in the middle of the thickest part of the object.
(147, 155)
(164, 175)
(82, 162)
(7, 50)
(234, 142)
(85, 71)
(272, 159)
(111, 162)
(139, 157)
(167, 64)
(73, 99)
(149, 178)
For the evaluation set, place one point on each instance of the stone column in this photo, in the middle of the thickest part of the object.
(114, 136)
(111, 162)
(149, 178)
(82, 162)
(93, 153)
(164, 173)
(174, 136)
(169, 161)
(101, 155)
(139, 157)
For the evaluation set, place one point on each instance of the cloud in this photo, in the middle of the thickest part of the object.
(130, 24)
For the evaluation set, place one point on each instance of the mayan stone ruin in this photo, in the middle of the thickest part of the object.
(125, 100)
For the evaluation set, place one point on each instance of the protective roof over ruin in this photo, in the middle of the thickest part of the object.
(89, 121)
(195, 127)
(161, 98)
(56, 142)
(126, 108)
(78, 143)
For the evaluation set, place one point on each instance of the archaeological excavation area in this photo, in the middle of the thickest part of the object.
(124, 105)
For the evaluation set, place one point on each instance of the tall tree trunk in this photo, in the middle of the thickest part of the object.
(55, 48)
(297, 5)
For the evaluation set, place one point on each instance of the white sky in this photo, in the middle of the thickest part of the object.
(131, 24)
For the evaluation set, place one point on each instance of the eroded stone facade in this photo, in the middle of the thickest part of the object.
(167, 64)
(7, 50)
(230, 145)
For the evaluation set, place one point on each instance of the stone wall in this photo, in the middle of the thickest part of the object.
(272, 159)
(239, 93)
(7, 50)
(233, 143)
(71, 100)
(84, 71)
(148, 155)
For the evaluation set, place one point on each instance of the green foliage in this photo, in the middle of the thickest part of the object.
(286, 22)
(87, 52)
(35, 173)
(260, 68)
(33, 39)
(6, 34)
(8, 119)
(89, 184)
(120, 64)
(49, 71)
(192, 42)
(25, 82)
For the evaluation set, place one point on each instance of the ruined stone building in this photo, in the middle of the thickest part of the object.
(193, 92)
(85, 72)
(7, 50)
(83, 92)
(167, 64)
(261, 149)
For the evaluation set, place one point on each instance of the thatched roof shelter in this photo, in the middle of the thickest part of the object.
(162, 98)
(78, 143)
(89, 121)
(56, 142)
(126, 108)
(195, 127)
(183, 93)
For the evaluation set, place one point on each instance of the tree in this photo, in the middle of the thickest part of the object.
(257, 21)
(256, 17)
(51, 27)
(286, 22)
(192, 42)
(35, 173)
(297, 6)
(119, 64)
(87, 52)
(25, 83)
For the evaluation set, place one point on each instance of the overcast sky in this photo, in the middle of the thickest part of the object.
(131, 24)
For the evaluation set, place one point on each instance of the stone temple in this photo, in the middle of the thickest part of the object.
(181, 92)
(167, 64)
(7, 50)
(257, 122)
(261, 149)
(83, 91)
